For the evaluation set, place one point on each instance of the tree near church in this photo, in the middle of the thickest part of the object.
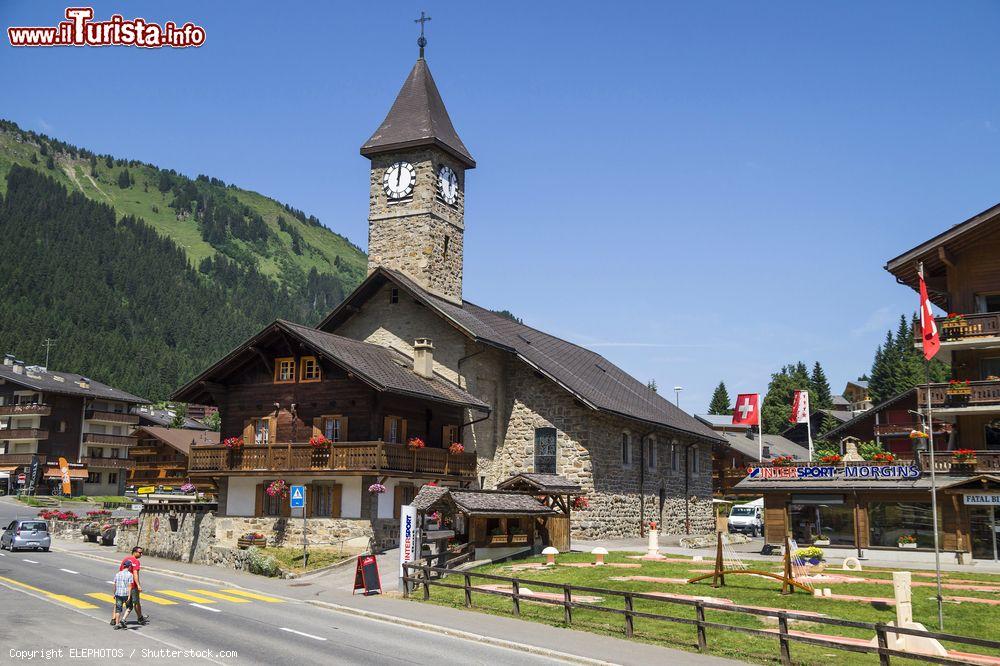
(720, 403)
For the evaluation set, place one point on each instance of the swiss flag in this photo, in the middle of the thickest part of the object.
(928, 327)
(747, 410)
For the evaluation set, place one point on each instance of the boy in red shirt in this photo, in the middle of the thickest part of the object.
(136, 587)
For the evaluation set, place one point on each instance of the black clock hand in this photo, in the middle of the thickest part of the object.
(399, 173)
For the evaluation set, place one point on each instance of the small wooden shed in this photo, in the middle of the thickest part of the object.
(557, 493)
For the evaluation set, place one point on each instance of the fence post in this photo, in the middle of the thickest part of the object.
(883, 643)
(699, 610)
(567, 609)
(406, 583)
(468, 590)
(786, 655)
(427, 584)
(629, 620)
(516, 589)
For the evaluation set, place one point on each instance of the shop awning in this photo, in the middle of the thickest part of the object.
(74, 473)
(8, 468)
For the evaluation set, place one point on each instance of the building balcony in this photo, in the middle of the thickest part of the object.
(347, 458)
(971, 331)
(111, 417)
(987, 462)
(176, 465)
(25, 410)
(980, 397)
(143, 451)
(109, 440)
(18, 459)
(107, 463)
(12, 434)
(904, 429)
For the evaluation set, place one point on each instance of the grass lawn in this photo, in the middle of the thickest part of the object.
(290, 559)
(967, 619)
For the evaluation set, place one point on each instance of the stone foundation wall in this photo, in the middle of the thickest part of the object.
(191, 541)
(288, 531)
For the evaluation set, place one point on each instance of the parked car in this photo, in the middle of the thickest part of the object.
(26, 534)
(748, 518)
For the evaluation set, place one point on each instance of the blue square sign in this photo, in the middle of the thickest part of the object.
(298, 497)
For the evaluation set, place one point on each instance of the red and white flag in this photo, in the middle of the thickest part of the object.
(747, 409)
(800, 408)
(928, 327)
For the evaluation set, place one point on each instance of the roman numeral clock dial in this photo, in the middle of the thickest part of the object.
(399, 180)
(448, 184)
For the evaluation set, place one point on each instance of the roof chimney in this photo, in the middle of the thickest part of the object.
(8, 360)
(423, 358)
(83, 383)
(18, 367)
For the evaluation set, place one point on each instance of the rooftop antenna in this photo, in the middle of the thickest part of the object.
(422, 41)
(49, 343)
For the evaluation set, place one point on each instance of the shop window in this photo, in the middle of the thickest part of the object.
(309, 370)
(832, 520)
(284, 370)
(891, 520)
(545, 450)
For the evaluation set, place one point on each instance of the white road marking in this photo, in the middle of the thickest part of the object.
(302, 633)
(110, 582)
(31, 561)
(71, 571)
(214, 610)
(2, 555)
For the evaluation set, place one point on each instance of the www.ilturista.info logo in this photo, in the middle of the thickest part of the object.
(81, 30)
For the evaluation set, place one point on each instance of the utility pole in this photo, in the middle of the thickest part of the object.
(49, 344)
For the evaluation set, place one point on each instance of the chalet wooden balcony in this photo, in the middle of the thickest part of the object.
(25, 410)
(347, 457)
(8, 459)
(967, 331)
(981, 397)
(904, 429)
(108, 463)
(110, 440)
(111, 417)
(173, 464)
(987, 462)
(143, 451)
(24, 433)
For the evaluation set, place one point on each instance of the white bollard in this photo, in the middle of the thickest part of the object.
(599, 554)
(550, 555)
(653, 547)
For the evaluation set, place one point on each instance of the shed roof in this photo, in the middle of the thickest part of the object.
(479, 502)
(543, 483)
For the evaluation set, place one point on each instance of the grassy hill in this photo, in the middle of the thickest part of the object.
(145, 276)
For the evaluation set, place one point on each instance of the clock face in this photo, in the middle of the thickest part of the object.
(448, 184)
(398, 180)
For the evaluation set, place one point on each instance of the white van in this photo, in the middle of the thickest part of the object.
(748, 518)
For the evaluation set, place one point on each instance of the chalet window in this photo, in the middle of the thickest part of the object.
(114, 453)
(112, 477)
(545, 450)
(989, 367)
(271, 504)
(309, 370)
(284, 370)
(394, 295)
(93, 477)
(96, 452)
(992, 435)
(651, 453)
(325, 500)
(449, 435)
(626, 450)
(987, 303)
(334, 428)
(261, 431)
(394, 430)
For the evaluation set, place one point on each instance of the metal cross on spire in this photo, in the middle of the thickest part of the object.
(422, 41)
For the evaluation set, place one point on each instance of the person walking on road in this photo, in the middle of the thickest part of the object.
(133, 560)
(123, 591)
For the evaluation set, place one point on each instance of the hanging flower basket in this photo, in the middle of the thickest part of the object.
(456, 449)
(187, 488)
(233, 442)
(320, 442)
(918, 434)
(278, 488)
(376, 489)
(415, 444)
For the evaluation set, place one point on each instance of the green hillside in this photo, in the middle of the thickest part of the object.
(145, 276)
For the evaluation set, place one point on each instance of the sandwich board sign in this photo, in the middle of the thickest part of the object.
(297, 497)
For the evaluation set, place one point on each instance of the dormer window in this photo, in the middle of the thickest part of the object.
(309, 370)
(284, 370)
(394, 295)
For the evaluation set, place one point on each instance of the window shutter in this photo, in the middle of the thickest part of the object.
(248, 432)
(343, 429)
(310, 499)
(386, 428)
(397, 501)
(259, 500)
(402, 431)
(286, 507)
(272, 430)
(317, 426)
(335, 496)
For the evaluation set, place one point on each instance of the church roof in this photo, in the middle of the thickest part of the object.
(590, 377)
(418, 118)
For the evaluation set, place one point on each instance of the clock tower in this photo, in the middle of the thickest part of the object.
(416, 217)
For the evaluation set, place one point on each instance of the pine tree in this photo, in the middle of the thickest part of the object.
(50, 163)
(899, 364)
(720, 404)
(124, 180)
(820, 395)
(34, 158)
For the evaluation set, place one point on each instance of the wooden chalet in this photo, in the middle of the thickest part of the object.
(161, 456)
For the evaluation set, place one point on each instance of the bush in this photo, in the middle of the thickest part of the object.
(261, 564)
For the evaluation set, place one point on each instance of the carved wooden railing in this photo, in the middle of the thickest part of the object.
(980, 394)
(25, 410)
(904, 429)
(376, 457)
(19, 459)
(24, 433)
(986, 461)
(975, 326)
(108, 463)
(112, 440)
(111, 417)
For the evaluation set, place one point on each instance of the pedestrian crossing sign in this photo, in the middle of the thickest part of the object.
(298, 497)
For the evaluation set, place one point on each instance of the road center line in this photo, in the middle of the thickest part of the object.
(208, 608)
(70, 571)
(302, 633)
(31, 561)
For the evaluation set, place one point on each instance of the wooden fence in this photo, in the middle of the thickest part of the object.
(421, 574)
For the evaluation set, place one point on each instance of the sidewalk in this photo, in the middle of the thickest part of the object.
(333, 590)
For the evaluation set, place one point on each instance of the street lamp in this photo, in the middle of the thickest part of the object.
(677, 396)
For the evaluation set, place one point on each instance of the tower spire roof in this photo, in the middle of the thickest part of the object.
(418, 117)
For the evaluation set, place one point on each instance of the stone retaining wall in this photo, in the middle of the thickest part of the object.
(288, 531)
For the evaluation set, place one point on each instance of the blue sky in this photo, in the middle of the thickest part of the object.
(699, 191)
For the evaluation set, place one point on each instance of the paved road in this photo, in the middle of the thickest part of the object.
(57, 600)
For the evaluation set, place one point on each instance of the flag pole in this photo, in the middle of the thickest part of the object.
(925, 311)
(760, 429)
(809, 434)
